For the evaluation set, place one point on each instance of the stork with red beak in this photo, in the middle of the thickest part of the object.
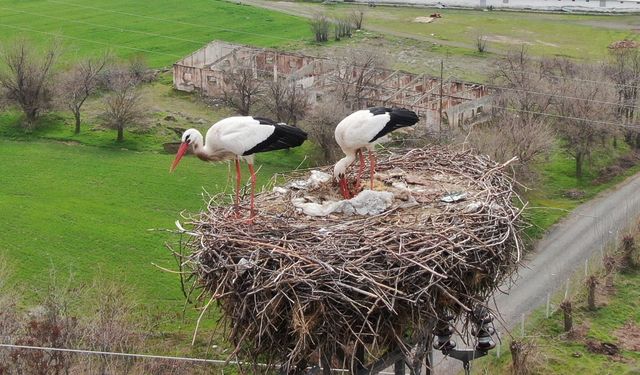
(363, 129)
(240, 137)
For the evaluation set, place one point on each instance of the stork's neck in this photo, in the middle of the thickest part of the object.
(199, 148)
(341, 166)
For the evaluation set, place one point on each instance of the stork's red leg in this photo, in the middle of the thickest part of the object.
(344, 189)
(253, 192)
(372, 165)
(238, 182)
(360, 171)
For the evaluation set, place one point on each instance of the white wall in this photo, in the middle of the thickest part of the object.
(577, 5)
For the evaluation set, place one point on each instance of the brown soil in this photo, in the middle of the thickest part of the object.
(629, 336)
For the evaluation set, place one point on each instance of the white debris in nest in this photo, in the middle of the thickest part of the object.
(280, 190)
(368, 202)
(316, 179)
(476, 206)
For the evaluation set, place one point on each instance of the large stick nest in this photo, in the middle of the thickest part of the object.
(290, 283)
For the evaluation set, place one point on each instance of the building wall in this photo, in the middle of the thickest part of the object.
(577, 5)
(420, 93)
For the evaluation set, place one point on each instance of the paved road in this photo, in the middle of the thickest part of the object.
(563, 252)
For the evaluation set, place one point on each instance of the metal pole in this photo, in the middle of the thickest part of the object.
(441, 79)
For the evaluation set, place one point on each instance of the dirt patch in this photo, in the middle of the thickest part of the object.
(629, 336)
(423, 19)
(506, 40)
(574, 194)
(578, 333)
(70, 143)
(547, 43)
(602, 347)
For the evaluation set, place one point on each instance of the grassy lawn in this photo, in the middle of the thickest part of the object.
(558, 354)
(163, 32)
(89, 210)
(572, 35)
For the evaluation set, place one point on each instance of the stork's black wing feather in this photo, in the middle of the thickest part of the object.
(399, 118)
(283, 136)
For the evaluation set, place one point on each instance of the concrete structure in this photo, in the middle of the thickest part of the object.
(540, 5)
(205, 71)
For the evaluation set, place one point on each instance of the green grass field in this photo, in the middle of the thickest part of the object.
(89, 210)
(163, 31)
(544, 34)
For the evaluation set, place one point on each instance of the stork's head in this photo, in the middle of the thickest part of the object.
(191, 137)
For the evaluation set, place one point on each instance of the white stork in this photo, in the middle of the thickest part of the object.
(362, 129)
(240, 137)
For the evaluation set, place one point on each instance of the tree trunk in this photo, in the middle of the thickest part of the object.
(516, 348)
(120, 134)
(568, 315)
(30, 120)
(77, 117)
(592, 283)
(579, 163)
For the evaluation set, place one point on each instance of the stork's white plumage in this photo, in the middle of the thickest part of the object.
(363, 129)
(240, 137)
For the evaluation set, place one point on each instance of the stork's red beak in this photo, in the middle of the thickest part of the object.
(181, 151)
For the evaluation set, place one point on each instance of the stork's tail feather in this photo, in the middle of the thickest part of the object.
(403, 116)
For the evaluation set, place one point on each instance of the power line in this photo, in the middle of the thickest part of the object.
(530, 73)
(171, 21)
(149, 356)
(636, 127)
(564, 96)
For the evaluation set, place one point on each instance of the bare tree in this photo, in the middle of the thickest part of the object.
(518, 126)
(623, 69)
(320, 24)
(111, 327)
(123, 104)
(26, 77)
(80, 82)
(342, 27)
(481, 43)
(522, 87)
(583, 114)
(356, 75)
(287, 100)
(510, 134)
(357, 18)
(321, 125)
(242, 87)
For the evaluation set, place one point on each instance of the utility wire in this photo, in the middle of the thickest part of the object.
(530, 73)
(147, 356)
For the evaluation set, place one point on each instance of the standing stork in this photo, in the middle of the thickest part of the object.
(240, 137)
(362, 129)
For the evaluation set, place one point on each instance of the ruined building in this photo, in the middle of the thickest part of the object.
(204, 71)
